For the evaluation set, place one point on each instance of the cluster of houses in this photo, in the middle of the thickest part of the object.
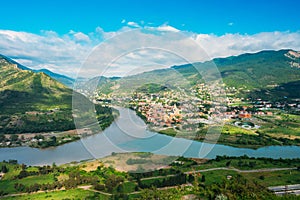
(159, 114)
(169, 109)
(175, 108)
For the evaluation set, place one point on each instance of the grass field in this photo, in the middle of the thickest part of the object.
(263, 178)
(282, 125)
(216, 176)
(8, 185)
(59, 195)
(275, 178)
(245, 164)
(13, 170)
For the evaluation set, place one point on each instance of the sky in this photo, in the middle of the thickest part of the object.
(59, 35)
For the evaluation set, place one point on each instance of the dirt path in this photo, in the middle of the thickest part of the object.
(156, 177)
(89, 187)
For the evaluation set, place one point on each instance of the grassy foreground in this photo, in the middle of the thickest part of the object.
(184, 178)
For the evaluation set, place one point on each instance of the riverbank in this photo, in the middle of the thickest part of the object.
(43, 140)
(239, 140)
(57, 138)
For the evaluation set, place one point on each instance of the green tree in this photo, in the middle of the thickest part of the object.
(112, 181)
(203, 178)
(4, 169)
(14, 138)
(2, 138)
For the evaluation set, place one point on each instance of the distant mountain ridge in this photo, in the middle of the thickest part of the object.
(67, 81)
(11, 61)
(254, 72)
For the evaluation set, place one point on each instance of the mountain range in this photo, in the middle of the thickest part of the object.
(33, 100)
(265, 74)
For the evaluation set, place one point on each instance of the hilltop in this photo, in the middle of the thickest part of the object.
(33, 102)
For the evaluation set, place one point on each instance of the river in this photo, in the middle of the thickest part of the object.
(128, 133)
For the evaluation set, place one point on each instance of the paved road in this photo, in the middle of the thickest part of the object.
(242, 171)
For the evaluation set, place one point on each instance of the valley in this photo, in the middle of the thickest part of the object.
(256, 104)
(255, 126)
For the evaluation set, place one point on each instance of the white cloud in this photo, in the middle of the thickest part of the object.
(235, 44)
(133, 24)
(65, 53)
(167, 28)
(101, 34)
(123, 21)
(81, 37)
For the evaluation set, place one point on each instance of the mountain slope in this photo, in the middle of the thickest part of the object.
(11, 61)
(33, 86)
(32, 102)
(248, 72)
(67, 81)
(256, 70)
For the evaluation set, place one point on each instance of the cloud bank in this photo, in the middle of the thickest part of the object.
(65, 53)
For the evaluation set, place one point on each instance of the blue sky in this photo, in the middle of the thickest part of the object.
(59, 35)
(211, 16)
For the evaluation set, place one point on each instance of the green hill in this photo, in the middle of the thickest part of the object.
(259, 70)
(67, 81)
(33, 101)
(256, 73)
(256, 70)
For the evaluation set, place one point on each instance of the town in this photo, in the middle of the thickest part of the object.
(193, 110)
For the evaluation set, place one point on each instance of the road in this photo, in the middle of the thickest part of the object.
(242, 171)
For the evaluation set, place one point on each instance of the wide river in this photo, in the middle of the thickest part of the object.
(128, 133)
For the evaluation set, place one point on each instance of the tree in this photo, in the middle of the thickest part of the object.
(14, 138)
(22, 174)
(191, 178)
(19, 187)
(99, 187)
(228, 163)
(4, 169)
(52, 141)
(221, 197)
(203, 178)
(112, 181)
(2, 138)
(23, 166)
